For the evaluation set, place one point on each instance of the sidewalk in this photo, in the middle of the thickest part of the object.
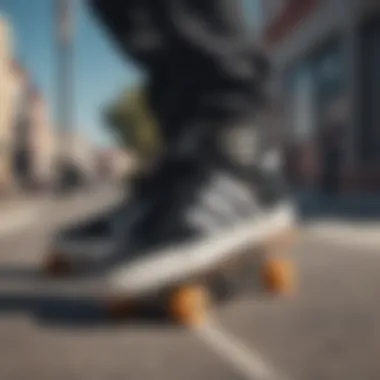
(349, 220)
(346, 234)
(19, 212)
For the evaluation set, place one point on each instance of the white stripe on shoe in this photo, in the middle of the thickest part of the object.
(222, 203)
(168, 266)
(232, 190)
(217, 204)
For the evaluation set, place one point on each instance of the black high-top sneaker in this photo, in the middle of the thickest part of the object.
(89, 242)
(215, 203)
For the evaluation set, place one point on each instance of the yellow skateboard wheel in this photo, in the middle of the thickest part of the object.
(189, 305)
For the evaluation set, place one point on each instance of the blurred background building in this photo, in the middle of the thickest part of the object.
(30, 144)
(326, 59)
(26, 134)
(9, 86)
(39, 140)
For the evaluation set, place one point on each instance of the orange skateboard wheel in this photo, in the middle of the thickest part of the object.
(189, 305)
(279, 276)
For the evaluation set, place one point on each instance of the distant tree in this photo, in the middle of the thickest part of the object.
(132, 122)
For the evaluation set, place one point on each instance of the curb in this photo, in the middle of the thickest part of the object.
(351, 235)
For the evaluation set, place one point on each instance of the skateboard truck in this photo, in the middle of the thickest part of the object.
(187, 305)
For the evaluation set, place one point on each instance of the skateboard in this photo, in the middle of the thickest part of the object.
(264, 267)
(267, 268)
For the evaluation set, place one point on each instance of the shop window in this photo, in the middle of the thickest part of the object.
(329, 78)
(369, 131)
(301, 102)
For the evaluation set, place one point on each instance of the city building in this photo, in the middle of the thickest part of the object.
(10, 88)
(42, 141)
(33, 142)
(325, 57)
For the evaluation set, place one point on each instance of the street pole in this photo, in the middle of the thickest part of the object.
(64, 14)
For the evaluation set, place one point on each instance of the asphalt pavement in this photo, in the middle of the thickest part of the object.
(330, 329)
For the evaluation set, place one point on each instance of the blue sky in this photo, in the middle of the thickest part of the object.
(101, 71)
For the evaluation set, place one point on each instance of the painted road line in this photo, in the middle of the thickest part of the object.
(247, 361)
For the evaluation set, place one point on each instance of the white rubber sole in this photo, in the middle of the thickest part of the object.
(161, 269)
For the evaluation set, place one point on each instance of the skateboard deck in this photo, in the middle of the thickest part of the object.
(266, 268)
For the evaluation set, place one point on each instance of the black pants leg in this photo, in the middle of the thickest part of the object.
(200, 63)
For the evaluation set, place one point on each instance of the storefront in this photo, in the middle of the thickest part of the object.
(369, 133)
(328, 60)
(315, 85)
(328, 65)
